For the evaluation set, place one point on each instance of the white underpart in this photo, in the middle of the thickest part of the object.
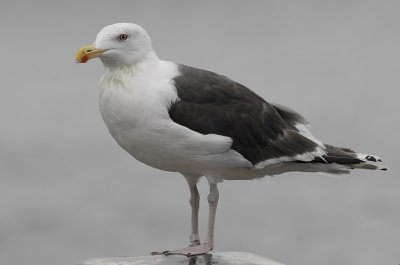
(134, 104)
(305, 157)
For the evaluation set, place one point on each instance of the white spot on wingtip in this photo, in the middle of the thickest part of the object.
(368, 158)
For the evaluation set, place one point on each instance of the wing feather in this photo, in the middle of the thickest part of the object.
(214, 104)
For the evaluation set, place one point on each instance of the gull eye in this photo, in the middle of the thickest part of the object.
(123, 37)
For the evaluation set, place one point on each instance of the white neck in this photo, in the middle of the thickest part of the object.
(149, 59)
(123, 74)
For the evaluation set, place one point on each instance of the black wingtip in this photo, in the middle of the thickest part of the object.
(384, 169)
(371, 158)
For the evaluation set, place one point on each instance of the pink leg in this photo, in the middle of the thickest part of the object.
(206, 247)
(212, 202)
(194, 203)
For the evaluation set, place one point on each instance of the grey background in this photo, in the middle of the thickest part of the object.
(68, 192)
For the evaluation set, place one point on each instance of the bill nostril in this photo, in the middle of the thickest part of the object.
(88, 50)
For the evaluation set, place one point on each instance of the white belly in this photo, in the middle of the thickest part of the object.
(135, 110)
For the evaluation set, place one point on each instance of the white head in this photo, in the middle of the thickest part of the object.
(118, 45)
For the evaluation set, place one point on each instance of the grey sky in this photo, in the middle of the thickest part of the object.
(68, 192)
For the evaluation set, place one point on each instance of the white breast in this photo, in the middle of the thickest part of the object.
(134, 105)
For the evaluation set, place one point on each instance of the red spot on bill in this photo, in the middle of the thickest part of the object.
(85, 59)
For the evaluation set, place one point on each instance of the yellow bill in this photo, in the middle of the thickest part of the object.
(88, 52)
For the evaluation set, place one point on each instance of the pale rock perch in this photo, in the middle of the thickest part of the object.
(182, 119)
(222, 258)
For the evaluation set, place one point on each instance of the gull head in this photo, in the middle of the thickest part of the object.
(118, 45)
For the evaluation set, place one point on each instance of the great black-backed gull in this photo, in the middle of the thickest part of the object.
(182, 119)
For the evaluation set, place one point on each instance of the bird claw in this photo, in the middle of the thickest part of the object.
(189, 251)
(154, 253)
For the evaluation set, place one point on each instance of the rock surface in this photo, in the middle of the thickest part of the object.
(218, 258)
